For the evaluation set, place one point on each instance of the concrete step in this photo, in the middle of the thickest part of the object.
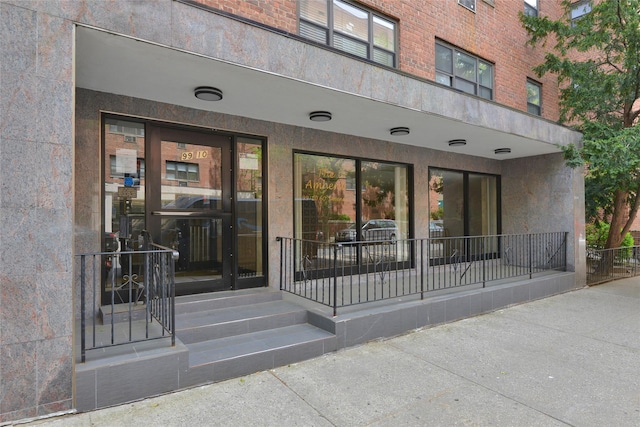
(237, 320)
(225, 299)
(235, 356)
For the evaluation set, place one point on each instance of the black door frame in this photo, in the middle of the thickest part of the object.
(154, 131)
(154, 212)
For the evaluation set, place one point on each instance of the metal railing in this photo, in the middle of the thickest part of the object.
(345, 274)
(604, 265)
(140, 287)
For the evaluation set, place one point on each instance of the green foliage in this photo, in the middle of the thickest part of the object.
(339, 217)
(597, 62)
(602, 86)
(438, 213)
(597, 236)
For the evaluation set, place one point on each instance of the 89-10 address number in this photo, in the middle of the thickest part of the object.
(189, 155)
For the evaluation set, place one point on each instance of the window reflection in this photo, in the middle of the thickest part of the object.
(124, 167)
(191, 176)
(449, 191)
(249, 208)
(325, 199)
(339, 199)
(384, 196)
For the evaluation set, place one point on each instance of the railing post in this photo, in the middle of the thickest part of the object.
(530, 256)
(279, 239)
(147, 287)
(422, 268)
(113, 297)
(484, 256)
(335, 280)
(172, 292)
(566, 244)
(82, 309)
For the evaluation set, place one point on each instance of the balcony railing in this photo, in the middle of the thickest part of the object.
(140, 286)
(344, 274)
(604, 265)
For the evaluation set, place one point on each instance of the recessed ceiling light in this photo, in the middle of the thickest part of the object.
(457, 142)
(399, 131)
(320, 116)
(207, 93)
(502, 150)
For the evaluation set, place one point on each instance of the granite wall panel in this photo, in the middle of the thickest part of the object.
(36, 210)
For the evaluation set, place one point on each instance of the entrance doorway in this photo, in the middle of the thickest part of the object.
(196, 191)
(189, 204)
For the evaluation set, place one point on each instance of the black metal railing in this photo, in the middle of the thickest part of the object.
(604, 265)
(140, 288)
(345, 274)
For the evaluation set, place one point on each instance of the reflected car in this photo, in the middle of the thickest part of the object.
(375, 229)
(436, 228)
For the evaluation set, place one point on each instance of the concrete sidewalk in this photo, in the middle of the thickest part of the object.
(571, 359)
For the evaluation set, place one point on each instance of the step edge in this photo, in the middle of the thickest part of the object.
(264, 351)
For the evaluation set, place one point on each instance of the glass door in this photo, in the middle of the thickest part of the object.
(195, 191)
(189, 205)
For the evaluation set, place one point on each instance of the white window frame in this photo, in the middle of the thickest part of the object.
(326, 33)
(579, 9)
(448, 78)
(531, 7)
(531, 105)
(468, 4)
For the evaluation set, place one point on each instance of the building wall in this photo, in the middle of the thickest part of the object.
(50, 188)
(493, 33)
(541, 193)
(282, 141)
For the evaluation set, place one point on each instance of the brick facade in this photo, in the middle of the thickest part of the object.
(493, 33)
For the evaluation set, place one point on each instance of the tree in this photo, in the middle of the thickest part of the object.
(596, 59)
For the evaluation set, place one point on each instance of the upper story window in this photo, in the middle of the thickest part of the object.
(579, 9)
(350, 28)
(531, 7)
(534, 92)
(469, 4)
(463, 71)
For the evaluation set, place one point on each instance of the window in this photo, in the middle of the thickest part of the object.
(463, 71)
(350, 28)
(534, 105)
(328, 207)
(463, 204)
(578, 10)
(469, 4)
(183, 171)
(531, 7)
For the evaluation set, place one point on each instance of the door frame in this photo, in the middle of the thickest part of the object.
(154, 211)
(232, 139)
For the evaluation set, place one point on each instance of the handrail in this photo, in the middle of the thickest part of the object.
(134, 280)
(604, 265)
(343, 274)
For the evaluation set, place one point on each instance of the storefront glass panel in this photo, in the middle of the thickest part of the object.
(462, 204)
(340, 200)
(249, 208)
